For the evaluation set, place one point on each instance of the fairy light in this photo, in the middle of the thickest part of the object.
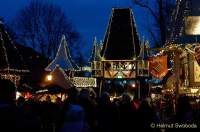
(133, 22)
(84, 81)
(107, 34)
(5, 52)
(5, 72)
(14, 70)
(95, 56)
(194, 90)
(21, 58)
(133, 32)
(4, 49)
(61, 55)
(12, 77)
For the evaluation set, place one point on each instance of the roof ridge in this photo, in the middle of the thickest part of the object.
(62, 56)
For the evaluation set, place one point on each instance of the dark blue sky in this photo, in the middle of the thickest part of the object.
(89, 17)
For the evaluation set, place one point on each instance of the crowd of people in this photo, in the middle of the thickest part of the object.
(81, 112)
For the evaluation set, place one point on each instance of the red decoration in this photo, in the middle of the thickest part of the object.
(158, 66)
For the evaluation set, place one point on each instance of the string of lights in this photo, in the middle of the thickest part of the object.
(84, 82)
(12, 77)
(7, 70)
(132, 20)
(62, 54)
(15, 48)
(4, 50)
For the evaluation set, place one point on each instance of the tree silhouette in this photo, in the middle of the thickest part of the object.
(160, 11)
(40, 25)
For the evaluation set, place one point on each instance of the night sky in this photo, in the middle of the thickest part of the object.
(89, 17)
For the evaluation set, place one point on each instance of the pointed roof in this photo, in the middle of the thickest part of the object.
(63, 58)
(59, 78)
(144, 50)
(10, 58)
(121, 41)
(95, 51)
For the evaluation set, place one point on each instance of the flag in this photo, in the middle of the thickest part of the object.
(158, 66)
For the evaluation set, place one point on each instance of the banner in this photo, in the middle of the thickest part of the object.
(158, 66)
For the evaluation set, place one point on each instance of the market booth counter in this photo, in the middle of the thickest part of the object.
(52, 91)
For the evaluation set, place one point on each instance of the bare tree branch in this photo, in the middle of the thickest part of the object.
(161, 14)
(153, 37)
(41, 25)
(142, 4)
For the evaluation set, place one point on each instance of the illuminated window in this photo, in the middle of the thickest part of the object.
(49, 77)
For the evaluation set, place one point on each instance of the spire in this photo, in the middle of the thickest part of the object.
(121, 41)
(95, 51)
(63, 58)
(144, 53)
(100, 45)
(60, 78)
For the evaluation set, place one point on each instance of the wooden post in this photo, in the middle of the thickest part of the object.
(177, 75)
(137, 83)
(100, 88)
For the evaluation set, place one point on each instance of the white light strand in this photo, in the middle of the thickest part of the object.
(66, 56)
(15, 48)
(133, 37)
(14, 70)
(108, 27)
(94, 50)
(12, 77)
(5, 52)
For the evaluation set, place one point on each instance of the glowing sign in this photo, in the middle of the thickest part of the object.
(192, 25)
(119, 69)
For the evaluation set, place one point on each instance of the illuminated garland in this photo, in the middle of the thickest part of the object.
(133, 21)
(4, 48)
(95, 58)
(84, 82)
(13, 70)
(109, 29)
(107, 33)
(62, 71)
(144, 50)
(85, 68)
(94, 55)
(13, 78)
(178, 19)
(100, 45)
(5, 52)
